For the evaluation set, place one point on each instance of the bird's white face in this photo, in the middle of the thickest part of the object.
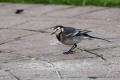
(58, 30)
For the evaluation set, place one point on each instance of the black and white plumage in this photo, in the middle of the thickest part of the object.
(72, 36)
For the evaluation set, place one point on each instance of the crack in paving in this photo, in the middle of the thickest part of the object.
(104, 48)
(94, 77)
(115, 56)
(15, 25)
(16, 77)
(92, 11)
(1, 51)
(15, 39)
(20, 23)
(97, 49)
(52, 11)
(18, 38)
(57, 72)
(41, 31)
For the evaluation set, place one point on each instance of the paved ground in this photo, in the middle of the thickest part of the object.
(29, 52)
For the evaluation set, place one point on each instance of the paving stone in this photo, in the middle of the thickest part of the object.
(6, 76)
(86, 68)
(40, 24)
(10, 21)
(107, 14)
(74, 11)
(26, 68)
(11, 35)
(8, 57)
(43, 10)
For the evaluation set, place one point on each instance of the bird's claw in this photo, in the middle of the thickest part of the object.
(69, 52)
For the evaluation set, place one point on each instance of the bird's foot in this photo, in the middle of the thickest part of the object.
(69, 52)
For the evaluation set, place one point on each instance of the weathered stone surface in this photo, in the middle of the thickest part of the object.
(8, 35)
(29, 52)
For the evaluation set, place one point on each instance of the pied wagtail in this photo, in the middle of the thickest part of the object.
(72, 36)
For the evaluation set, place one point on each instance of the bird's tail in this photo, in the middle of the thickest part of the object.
(96, 38)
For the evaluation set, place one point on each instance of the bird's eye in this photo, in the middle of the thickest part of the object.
(58, 28)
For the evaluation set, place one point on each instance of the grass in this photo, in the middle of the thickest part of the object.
(107, 3)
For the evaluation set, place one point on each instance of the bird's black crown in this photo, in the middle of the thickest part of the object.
(58, 26)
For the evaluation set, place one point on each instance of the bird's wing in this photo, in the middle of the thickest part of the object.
(83, 31)
(70, 32)
(79, 32)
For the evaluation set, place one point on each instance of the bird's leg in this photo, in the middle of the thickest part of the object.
(73, 47)
(70, 51)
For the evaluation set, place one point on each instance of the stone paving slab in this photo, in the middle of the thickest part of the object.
(108, 14)
(10, 35)
(29, 52)
(72, 11)
(9, 21)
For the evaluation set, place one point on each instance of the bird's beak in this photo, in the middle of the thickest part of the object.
(53, 32)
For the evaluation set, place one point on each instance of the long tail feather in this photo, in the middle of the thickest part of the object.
(97, 38)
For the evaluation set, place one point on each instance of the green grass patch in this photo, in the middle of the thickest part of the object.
(107, 3)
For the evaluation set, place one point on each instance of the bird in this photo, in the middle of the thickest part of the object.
(72, 36)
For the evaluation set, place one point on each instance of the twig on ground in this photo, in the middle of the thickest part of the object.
(93, 53)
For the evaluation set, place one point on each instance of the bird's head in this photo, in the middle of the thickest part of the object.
(57, 29)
